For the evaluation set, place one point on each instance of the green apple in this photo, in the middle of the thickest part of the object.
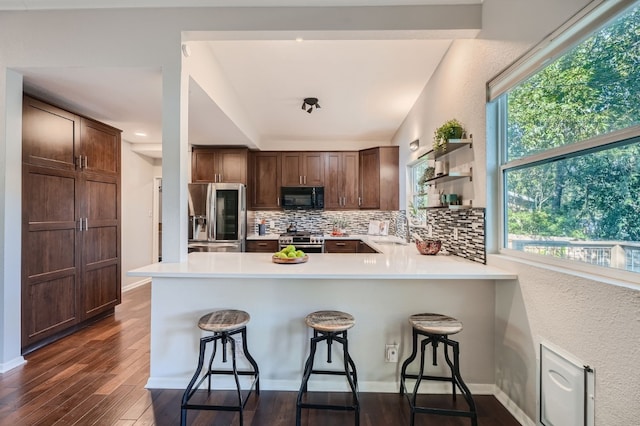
(299, 253)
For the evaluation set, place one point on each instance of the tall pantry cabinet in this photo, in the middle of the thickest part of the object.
(70, 222)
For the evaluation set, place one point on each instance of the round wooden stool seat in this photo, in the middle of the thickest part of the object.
(223, 320)
(437, 324)
(330, 321)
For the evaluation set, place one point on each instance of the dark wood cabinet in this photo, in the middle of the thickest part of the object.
(262, 246)
(99, 148)
(70, 223)
(341, 180)
(100, 244)
(59, 128)
(302, 168)
(341, 246)
(219, 165)
(347, 246)
(264, 187)
(379, 179)
(365, 248)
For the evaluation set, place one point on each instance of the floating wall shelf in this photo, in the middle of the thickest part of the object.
(449, 177)
(452, 145)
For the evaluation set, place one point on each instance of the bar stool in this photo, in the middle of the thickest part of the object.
(435, 329)
(224, 324)
(330, 326)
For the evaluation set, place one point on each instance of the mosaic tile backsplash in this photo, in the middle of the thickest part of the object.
(470, 224)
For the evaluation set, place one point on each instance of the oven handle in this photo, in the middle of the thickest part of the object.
(304, 246)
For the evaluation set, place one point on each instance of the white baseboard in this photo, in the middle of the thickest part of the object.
(327, 385)
(136, 284)
(513, 408)
(16, 362)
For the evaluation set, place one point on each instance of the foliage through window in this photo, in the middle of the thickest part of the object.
(571, 185)
(418, 196)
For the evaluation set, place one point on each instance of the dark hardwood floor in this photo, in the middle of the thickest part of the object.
(97, 376)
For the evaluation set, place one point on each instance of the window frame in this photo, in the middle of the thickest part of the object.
(578, 28)
(411, 168)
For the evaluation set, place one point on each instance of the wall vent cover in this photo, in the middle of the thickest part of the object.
(566, 389)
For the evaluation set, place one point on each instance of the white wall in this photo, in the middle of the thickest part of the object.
(592, 320)
(137, 207)
(596, 322)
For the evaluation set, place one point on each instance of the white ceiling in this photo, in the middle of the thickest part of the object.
(103, 4)
(365, 87)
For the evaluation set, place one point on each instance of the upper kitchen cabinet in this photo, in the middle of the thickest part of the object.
(99, 147)
(302, 169)
(341, 180)
(263, 191)
(53, 137)
(228, 165)
(379, 179)
(50, 135)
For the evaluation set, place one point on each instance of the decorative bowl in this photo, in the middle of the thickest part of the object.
(290, 260)
(428, 246)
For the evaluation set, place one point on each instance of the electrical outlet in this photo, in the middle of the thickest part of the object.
(430, 230)
(272, 224)
(455, 233)
(391, 352)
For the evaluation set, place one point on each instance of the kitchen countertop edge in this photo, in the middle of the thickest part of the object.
(397, 262)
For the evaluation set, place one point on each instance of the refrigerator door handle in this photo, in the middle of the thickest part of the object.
(210, 213)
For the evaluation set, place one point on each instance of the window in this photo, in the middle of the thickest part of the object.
(418, 196)
(570, 145)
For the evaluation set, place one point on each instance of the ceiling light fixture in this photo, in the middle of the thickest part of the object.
(413, 146)
(311, 102)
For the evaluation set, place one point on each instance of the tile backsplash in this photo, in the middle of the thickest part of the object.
(319, 221)
(469, 225)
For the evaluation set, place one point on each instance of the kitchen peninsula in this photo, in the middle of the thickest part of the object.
(381, 290)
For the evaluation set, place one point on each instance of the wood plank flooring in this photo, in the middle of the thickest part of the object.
(97, 376)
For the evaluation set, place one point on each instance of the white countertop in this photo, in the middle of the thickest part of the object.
(395, 262)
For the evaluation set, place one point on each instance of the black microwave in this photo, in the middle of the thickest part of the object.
(302, 198)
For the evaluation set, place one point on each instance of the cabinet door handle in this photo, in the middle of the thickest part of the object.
(278, 201)
(86, 223)
(359, 201)
(304, 179)
(80, 225)
(220, 177)
(299, 180)
(86, 162)
(79, 162)
(262, 244)
(341, 244)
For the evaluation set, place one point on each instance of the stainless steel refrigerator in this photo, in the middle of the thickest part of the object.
(217, 217)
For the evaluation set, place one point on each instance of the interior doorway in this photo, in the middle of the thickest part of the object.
(157, 219)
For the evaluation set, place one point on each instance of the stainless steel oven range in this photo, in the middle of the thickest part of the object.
(305, 241)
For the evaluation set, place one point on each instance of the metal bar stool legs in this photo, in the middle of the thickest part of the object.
(223, 331)
(338, 334)
(435, 330)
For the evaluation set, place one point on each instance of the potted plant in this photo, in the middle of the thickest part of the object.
(429, 173)
(415, 214)
(452, 129)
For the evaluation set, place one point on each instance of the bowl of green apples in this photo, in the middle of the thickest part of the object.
(288, 255)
